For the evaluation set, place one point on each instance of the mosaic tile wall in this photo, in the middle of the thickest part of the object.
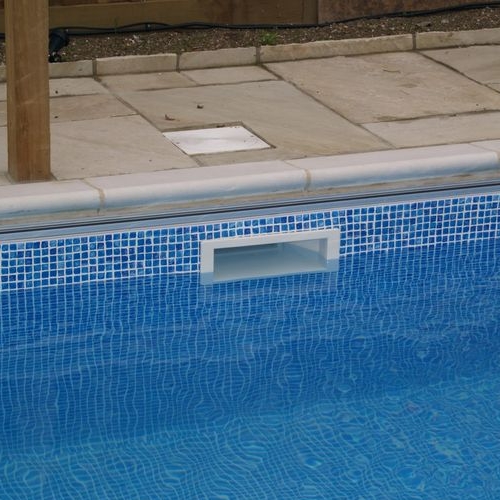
(175, 249)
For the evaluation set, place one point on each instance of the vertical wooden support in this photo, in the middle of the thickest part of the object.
(28, 115)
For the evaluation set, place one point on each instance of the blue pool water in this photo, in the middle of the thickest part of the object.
(380, 381)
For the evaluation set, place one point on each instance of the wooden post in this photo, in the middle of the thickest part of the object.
(28, 115)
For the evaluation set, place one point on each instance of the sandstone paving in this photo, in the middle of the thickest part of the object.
(387, 87)
(479, 62)
(107, 146)
(274, 110)
(439, 130)
(229, 75)
(60, 87)
(112, 146)
(75, 86)
(89, 107)
(145, 81)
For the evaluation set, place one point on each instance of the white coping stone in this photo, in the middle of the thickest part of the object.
(196, 184)
(247, 179)
(493, 145)
(243, 56)
(395, 165)
(437, 39)
(330, 48)
(135, 64)
(47, 197)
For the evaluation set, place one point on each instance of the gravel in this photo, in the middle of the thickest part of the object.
(177, 41)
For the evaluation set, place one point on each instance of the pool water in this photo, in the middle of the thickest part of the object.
(379, 381)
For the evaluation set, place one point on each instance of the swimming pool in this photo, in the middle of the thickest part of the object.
(122, 377)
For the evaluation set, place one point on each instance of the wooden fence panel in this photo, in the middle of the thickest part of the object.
(100, 13)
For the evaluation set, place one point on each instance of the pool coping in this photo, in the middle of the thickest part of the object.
(191, 186)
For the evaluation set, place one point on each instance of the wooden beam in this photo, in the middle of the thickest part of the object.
(28, 115)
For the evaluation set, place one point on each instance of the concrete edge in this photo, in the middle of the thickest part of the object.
(331, 48)
(269, 53)
(135, 64)
(228, 182)
(241, 56)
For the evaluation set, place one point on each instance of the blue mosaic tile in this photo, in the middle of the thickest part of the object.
(173, 250)
(380, 381)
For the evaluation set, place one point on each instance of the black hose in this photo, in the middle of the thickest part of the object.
(58, 39)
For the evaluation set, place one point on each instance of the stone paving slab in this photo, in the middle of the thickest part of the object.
(60, 87)
(120, 84)
(479, 62)
(439, 130)
(108, 146)
(387, 87)
(112, 146)
(90, 107)
(274, 110)
(229, 75)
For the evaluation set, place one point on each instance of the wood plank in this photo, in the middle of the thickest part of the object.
(111, 13)
(28, 118)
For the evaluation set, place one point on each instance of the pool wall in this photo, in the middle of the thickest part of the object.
(175, 248)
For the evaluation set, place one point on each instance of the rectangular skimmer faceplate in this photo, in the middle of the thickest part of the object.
(215, 140)
(230, 259)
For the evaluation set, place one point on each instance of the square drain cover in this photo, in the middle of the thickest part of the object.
(215, 140)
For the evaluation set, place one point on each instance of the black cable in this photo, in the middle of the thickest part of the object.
(145, 27)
